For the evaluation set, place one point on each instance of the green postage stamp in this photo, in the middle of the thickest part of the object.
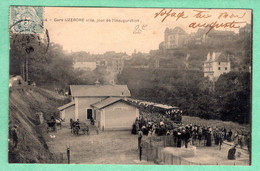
(26, 19)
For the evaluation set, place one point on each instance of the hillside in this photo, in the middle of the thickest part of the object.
(24, 102)
(188, 90)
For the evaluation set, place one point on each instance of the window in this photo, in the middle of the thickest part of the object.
(219, 63)
(218, 68)
(225, 68)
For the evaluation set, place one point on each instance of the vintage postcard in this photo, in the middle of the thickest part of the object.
(138, 86)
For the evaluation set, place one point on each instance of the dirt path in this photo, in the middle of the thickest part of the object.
(109, 147)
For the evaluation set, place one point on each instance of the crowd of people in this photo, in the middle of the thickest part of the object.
(153, 124)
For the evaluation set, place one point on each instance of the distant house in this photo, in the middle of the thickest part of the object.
(116, 64)
(215, 65)
(85, 65)
(103, 103)
(175, 38)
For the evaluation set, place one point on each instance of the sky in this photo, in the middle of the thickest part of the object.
(142, 34)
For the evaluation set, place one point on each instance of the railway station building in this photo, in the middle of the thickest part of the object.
(106, 104)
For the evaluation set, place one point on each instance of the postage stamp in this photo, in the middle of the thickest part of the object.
(26, 19)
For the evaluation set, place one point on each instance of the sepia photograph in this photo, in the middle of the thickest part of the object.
(130, 86)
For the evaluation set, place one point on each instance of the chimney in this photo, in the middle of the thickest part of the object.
(208, 57)
(97, 83)
(213, 56)
(228, 58)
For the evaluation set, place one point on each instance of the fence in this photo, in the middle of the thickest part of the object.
(155, 153)
(162, 141)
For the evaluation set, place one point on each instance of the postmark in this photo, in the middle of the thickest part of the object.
(28, 43)
(25, 19)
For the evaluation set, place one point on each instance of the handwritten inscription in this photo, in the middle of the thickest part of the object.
(164, 13)
(138, 29)
(216, 25)
(203, 14)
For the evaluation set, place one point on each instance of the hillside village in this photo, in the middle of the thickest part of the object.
(178, 51)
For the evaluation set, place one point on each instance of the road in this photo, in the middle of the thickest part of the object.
(109, 147)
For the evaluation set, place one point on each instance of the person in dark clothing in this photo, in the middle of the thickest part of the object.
(216, 138)
(175, 137)
(186, 138)
(140, 151)
(92, 121)
(231, 153)
(179, 138)
(208, 137)
(229, 135)
(200, 135)
(225, 133)
(140, 135)
(220, 137)
(204, 132)
(14, 136)
(134, 131)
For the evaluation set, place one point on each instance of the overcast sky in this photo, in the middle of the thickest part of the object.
(99, 37)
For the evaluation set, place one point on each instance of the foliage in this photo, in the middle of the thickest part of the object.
(230, 101)
(233, 96)
(51, 69)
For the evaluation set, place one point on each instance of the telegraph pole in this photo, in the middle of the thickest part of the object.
(27, 68)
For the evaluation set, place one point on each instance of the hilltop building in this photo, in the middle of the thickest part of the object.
(217, 63)
(198, 37)
(104, 103)
(174, 38)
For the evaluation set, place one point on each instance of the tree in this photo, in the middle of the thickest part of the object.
(233, 91)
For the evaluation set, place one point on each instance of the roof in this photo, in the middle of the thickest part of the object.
(217, 33)
(66, 106)
(106, 102)
(219, 57)
(165, 106)
(177, 30)
(99, 90)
